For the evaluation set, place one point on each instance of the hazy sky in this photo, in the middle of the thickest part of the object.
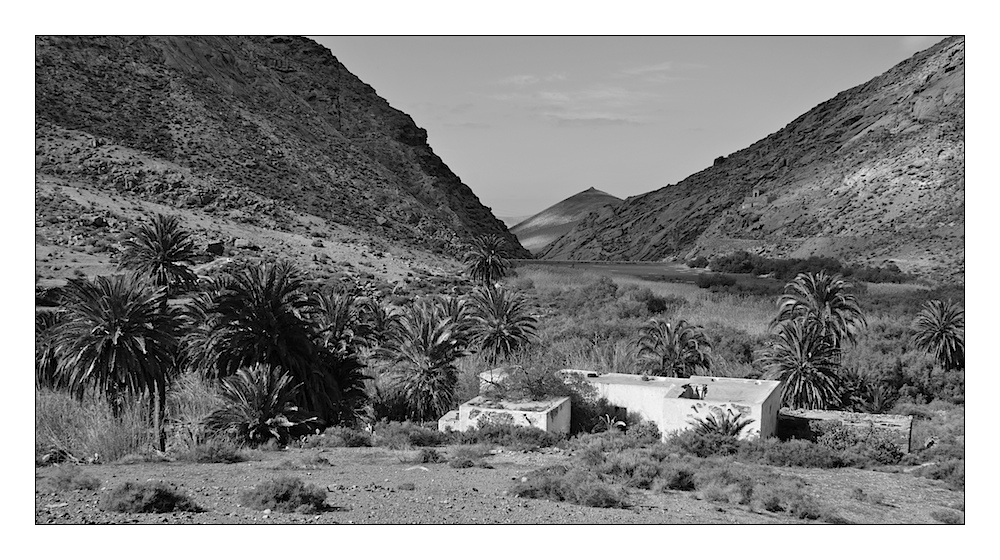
(529, 121)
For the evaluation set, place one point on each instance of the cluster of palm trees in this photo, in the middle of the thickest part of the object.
(284, 349)
(817, 315)
(274, 340)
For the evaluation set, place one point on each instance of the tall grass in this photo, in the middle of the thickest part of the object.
(190, 400)
(86, 430)
(746, 313)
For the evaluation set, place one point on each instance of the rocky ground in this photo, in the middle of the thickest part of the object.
(370, 486)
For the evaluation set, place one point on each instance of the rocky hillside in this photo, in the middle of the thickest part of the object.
(875, 174)
(538, 231)
(266, 132)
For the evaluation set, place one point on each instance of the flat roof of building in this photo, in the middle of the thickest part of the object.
(725, 389)
(520, 405)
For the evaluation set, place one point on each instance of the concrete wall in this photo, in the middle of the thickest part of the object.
(657, 400)
(769, 414)
(803, 424)
(646, 400)
(552, 417)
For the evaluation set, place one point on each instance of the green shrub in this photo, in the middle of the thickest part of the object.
(461, 463)
(477, 451)
(508, 435)
(710, 280)
(147, 497)
(214, 451)
(338, 436)
(791, 453)
(633, 467)
(951, 471)
(422, 455)
(285, 494)
(644, 433)
(402, 435)
(700, 261)
(704, 444)
(71, 477)
(676, 476)
(875, 445)
(575, 486)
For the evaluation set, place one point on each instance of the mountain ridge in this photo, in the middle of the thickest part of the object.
(251, 128)
(873, 175)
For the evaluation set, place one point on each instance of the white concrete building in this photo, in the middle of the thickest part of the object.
(672, 403)
(551, 415)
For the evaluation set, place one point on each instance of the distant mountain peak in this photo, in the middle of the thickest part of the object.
(543, 228)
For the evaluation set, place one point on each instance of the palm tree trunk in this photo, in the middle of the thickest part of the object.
(160, 400)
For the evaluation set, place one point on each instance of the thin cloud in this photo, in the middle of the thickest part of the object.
(598, 105)
(522, 80)
(662, 72)
(657, 68)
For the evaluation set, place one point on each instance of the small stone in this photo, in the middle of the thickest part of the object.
(267, 511)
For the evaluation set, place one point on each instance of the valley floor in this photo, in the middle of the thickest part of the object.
(363, 487)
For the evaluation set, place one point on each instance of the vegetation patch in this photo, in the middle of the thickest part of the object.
(147, 497)
(71, 477)
(285, 494)
(404, 435)
(575, 486)
(215, 451)
(338, 436)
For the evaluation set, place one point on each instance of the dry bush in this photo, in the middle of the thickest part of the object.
(71, 477)
(285, 494)
(86, 430)
(147, 497)
(214, 451)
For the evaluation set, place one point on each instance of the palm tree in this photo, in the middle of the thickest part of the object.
(342, 334)
(264, 316)
(376, 321)
(458, 312)
(257, 315)
(159, 250)
(806, 362)
(45, 359)
(118, 338)
(825, 300)
(501, 323)
(486, 261)
(259, 405)
(423, 352)
(673, 350)
(940, 329)
(722, 422)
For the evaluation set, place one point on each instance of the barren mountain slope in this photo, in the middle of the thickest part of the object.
(254, 130)
(536, 232)
(875, 174)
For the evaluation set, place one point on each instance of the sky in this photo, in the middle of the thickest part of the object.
(529, 121)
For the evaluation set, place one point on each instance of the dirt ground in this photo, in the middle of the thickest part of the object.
(364, 487)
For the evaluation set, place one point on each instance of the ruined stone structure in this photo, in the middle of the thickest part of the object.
(803, 424)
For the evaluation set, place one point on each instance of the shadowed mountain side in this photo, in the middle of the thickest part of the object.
(874, 175)
(538, 231)
(254, 129)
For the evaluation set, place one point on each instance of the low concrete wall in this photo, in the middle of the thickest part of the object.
(802, 424)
